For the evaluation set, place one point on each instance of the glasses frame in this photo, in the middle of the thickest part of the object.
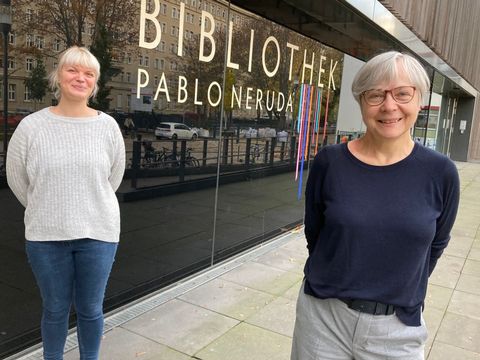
(391, 93)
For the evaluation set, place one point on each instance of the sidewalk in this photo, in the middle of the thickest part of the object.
(245, 308)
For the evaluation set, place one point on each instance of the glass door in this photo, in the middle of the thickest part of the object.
(442, 110)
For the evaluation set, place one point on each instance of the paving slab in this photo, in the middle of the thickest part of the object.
(472, 267)
(433, 318)
(121, 344)
(292, 293)
(250, 342)
(298, 245)
(466, 304)
(264, 278)
(459, 246)
(228, 298)
(475, 252)
(268, 317)
(463, 230)
(460, 331)
(284, 259)
(181, 326)
(469, 283)
(441, 351)
(447, 271)
(438, 297)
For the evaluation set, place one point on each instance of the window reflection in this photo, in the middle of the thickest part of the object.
(188, 122)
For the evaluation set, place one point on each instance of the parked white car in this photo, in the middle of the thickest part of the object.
(174, 131)
(248, 133)
(201, 132)
(282, 136)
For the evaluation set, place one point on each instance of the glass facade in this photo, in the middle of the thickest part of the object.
(445, 118)
(220, 110)
(228, 108)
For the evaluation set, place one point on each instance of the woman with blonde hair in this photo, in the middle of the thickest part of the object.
(64, 164)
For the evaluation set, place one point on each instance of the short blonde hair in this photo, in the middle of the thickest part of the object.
(75, 55)
(384, 68)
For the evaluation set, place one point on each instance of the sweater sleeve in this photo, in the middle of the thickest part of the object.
(17, 176)
(451, 196)
(118, 165)
(314, 217)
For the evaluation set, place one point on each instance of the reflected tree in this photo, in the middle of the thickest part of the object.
(104, 25)
(102, 48)
(201, 74)
(69, 21)
(37, 82)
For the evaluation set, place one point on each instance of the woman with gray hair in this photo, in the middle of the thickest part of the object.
(378, 215)
(64, 164)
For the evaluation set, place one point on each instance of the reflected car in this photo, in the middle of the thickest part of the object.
(174, 131)
(13, 120)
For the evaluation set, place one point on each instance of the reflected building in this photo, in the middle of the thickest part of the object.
(262, 85)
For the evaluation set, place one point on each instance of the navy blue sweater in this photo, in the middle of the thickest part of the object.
(376, 232)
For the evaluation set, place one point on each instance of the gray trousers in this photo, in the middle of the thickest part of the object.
(329, 330)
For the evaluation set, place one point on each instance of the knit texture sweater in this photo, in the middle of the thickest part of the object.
(376, 232)
(65, 172)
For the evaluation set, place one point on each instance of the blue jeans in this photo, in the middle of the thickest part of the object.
(71, 271)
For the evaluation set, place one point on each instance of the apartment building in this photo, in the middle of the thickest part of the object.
(162, 59)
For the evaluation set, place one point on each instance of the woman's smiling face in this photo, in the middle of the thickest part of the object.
(76, 82)
(390, 119)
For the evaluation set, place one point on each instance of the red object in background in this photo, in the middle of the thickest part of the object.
(430, 107)
(191, 116)
(12, 120)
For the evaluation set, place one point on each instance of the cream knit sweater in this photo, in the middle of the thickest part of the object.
(65, 172)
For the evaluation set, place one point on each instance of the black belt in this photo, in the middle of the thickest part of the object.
(369, 307)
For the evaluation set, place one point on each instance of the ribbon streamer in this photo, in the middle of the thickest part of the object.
(308, 127)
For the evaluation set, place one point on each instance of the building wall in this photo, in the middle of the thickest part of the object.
(474, 149)
(449, 29)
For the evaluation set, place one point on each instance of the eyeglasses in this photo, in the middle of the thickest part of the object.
(401, 94)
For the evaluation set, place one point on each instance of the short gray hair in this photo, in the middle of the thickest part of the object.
(384, 68)
(75, 55)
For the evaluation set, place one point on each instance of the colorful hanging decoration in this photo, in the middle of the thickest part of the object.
(308, 126)
(300, 126)
(318, 108)
(325, 123)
